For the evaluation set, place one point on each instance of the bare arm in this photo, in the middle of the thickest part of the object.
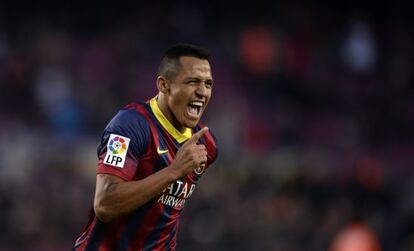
(115, 197)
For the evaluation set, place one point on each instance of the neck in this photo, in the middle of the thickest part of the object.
(163, 105)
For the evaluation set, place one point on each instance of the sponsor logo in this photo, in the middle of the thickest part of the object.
(176, 194)
(201, 169)
(117, 149)
(160, 151)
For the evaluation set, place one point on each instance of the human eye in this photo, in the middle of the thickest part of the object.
(192, 81)
(209, 84)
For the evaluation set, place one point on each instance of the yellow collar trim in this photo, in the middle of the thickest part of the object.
(180, 137)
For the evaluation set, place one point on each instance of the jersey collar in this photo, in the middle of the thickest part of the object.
(180, 137)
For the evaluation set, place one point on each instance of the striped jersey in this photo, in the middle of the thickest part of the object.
(136, 143)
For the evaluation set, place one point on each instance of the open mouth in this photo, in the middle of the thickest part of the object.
(194, 108)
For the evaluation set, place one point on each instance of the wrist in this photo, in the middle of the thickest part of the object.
(173, 173)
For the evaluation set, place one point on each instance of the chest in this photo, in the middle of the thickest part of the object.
(161, 154)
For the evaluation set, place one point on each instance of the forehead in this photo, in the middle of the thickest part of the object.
(192, 66)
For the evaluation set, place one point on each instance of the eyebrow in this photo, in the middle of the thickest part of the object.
(198, 79)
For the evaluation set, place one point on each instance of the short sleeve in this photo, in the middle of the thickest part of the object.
(124, 140)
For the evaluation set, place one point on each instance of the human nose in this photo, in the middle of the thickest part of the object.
(202, 90)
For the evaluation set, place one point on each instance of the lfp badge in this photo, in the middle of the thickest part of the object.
(117, 149)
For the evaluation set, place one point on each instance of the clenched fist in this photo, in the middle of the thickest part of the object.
(191, 155)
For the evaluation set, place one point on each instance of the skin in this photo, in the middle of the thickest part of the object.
(115, 197)
(192, 83)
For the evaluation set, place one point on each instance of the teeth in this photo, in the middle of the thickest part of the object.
(197, 103)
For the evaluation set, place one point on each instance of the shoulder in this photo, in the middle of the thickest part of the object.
(127, 118)
(131, 124)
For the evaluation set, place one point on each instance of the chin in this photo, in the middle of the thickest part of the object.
(191, 123)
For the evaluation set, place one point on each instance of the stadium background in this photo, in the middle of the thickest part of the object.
(313, 107)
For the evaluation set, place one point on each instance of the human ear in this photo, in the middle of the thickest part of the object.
(162, 85)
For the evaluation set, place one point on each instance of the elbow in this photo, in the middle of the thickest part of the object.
(102, 212)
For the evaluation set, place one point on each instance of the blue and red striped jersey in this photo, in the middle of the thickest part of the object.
(136, 143)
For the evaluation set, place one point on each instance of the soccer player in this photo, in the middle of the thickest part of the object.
(151, 157)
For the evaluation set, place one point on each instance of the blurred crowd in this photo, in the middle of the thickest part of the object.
(313, 108)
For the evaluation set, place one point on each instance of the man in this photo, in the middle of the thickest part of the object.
(151, 157)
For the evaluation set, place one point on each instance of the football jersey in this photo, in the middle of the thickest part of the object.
(136, 143)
